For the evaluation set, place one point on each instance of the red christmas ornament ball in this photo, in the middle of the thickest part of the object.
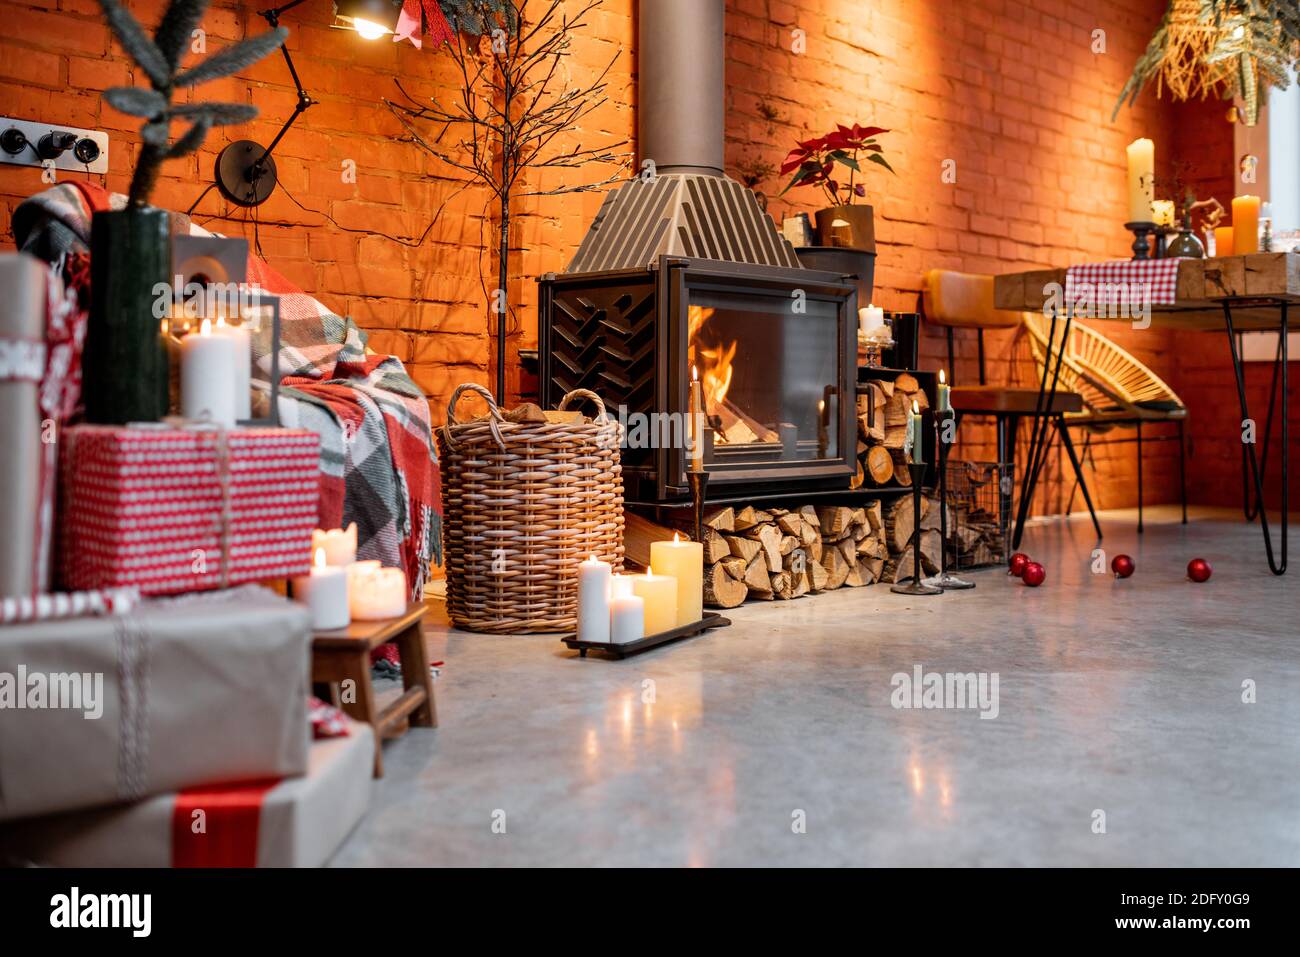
(1122, 566)
(1199, 570)
(1016, 566)
(1034, 574)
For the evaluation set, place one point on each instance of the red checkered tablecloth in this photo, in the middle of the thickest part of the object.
(1156, 280)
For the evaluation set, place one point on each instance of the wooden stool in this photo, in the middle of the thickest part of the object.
(344, 655)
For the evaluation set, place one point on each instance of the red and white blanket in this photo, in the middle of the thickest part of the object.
(378, 463)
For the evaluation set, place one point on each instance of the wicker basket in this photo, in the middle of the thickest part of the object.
(523, 504)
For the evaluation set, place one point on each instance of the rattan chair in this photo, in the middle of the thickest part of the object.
(1118, 391)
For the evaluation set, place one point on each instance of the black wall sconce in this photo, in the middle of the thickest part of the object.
(245, 170)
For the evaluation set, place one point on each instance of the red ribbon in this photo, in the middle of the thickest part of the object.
(230, 819)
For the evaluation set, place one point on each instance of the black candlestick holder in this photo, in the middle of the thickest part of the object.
(1141, 245)
(915, 586)
(698, 479)
(944, 580)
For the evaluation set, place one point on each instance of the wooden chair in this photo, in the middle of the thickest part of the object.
(957, 300)
(1118, 391)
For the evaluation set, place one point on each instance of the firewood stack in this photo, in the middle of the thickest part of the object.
(902, 537)
(882, 412)
(975, 538)
(786, 553)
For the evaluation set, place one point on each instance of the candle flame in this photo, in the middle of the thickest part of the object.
(205, 328)
(318, 559)
(916, 409)
(695, 373)
(942, 380)
(221, 322)
(676, 538)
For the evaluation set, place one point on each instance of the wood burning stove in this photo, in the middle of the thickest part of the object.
(683, 269)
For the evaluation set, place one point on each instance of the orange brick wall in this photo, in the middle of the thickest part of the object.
(1010, 91)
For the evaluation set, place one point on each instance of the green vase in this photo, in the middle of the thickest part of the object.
(124, 366)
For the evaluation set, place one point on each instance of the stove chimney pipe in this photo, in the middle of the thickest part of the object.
(681, 113)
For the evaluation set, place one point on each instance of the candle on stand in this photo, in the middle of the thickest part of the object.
(1163, 212)
(870, 318)
(1223, 241)
(914, 434)
(626, 616)
(376, 593)
(684, 561)
(325, 593)
(1141, 180)
(593, 600)
(339, 544)
(945, 402)
(659, 592)
(695, 403)
(243, 366)
(1245, 225)
(208, 376)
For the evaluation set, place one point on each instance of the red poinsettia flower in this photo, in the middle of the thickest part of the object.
(812, 161)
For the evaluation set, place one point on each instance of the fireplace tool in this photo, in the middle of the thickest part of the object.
(915, 586)
(945, 433)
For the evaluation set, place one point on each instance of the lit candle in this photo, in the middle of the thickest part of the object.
(1163, 211)
(593, 600)
(914, 433)
(208, 376)
(325, 593)
(684, 561)
(1245, 225)
(626, 618)
(870, 318)
(1141, 180)
(340, 544)
(243, 366)
(1223, 241)
(660, 595)
(945, 403)
(375, 593)
(696, 408)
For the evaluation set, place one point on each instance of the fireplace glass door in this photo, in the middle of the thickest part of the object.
(769, 368)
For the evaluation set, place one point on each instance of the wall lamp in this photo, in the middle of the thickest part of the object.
(245, 170)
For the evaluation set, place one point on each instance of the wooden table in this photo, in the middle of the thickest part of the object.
(344, 655)
(1235, 293)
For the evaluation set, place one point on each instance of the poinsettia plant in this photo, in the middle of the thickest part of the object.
(813, 162)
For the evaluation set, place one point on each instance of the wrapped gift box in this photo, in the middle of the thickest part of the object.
(181, 509)
(178, 692)
(296, 822)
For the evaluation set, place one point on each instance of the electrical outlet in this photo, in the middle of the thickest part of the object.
(27, 143)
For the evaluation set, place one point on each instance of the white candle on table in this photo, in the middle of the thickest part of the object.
(376, 593)
(208, 376)
(870, 317)
(340, 544)
(243, 366)
(660, 595)
(593, 600)
(626, 618)
(325, 593)
(1141, 180)
(683, 560)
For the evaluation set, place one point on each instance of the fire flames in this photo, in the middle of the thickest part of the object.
(714, 360)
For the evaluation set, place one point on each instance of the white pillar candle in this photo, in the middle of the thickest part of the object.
(208, 376)
(683, 560)
(1141, 180)
(660, 595)
(325, 593)
(243, 366)
(593, 600)
(869, 318)
(626, 619)
(376, 593)
(340, 544)
(620, 586)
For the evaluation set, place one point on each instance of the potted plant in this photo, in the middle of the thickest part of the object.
(124, 365)
(845, 222)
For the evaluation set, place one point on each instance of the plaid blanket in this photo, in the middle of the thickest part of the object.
(378, 463)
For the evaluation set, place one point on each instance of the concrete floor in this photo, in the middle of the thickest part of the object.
(1118, 696)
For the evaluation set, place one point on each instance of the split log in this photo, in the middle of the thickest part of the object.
(721, 590)
(879, 464)
(834, 519)
(715, 547)
(734, 566)
(721, 520)
(757, 578)
(745, 548)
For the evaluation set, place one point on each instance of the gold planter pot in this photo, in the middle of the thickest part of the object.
(853, 227)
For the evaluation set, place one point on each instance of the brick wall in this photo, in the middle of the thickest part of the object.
(1010, 91)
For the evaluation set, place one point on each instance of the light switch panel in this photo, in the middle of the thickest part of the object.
(28, 143)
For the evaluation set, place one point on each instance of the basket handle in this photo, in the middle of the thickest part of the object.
(584, 394)
(493, 411)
